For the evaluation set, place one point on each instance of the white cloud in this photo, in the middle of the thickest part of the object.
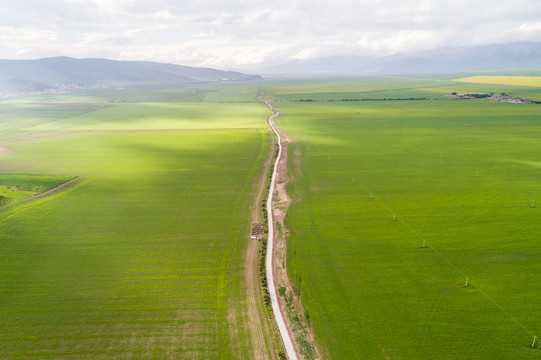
(399, 42)
(227, 33)
(530, 27)
(26, 35)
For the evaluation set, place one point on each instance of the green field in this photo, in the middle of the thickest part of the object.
(23, 186)
(391, 87)
(457, 175)
(144, 256)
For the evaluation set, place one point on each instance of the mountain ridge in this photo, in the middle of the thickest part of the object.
(517, 56)
(47, 73)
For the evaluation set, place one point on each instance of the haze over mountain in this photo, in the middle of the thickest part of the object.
(41, 74)
(48, 73)
(519, 56)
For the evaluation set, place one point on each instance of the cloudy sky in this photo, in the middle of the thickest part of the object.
(245, 33)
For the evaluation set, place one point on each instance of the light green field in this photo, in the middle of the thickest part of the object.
(379, 88)
(143, 257)
(459, 175)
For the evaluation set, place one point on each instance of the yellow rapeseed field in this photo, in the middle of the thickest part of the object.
(505, 80)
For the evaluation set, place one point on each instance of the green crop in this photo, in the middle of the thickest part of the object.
(374, 181)
(143, 256)
(20, 186)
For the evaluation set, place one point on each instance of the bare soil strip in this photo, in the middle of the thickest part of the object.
(259, 327)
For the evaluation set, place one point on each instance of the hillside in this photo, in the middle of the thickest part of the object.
(41, 74)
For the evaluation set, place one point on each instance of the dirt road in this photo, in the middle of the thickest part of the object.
(284, 333)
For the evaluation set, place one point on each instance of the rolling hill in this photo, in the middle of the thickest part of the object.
(41, 74)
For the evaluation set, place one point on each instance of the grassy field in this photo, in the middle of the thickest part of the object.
(380, 88)
(456, 175)
(23, 186)
(143, 257)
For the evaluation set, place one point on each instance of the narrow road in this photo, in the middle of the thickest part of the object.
(284, 333)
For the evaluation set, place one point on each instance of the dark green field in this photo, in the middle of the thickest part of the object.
(22, 186)
(457, 175)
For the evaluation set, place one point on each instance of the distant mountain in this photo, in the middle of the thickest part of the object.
(519, 56)
(35, 75)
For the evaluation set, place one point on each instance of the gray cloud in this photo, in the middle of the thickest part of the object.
(234, 33)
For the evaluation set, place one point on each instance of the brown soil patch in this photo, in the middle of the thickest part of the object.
(257, 229)
(59, 103)
(259, 327)
(6, 150)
